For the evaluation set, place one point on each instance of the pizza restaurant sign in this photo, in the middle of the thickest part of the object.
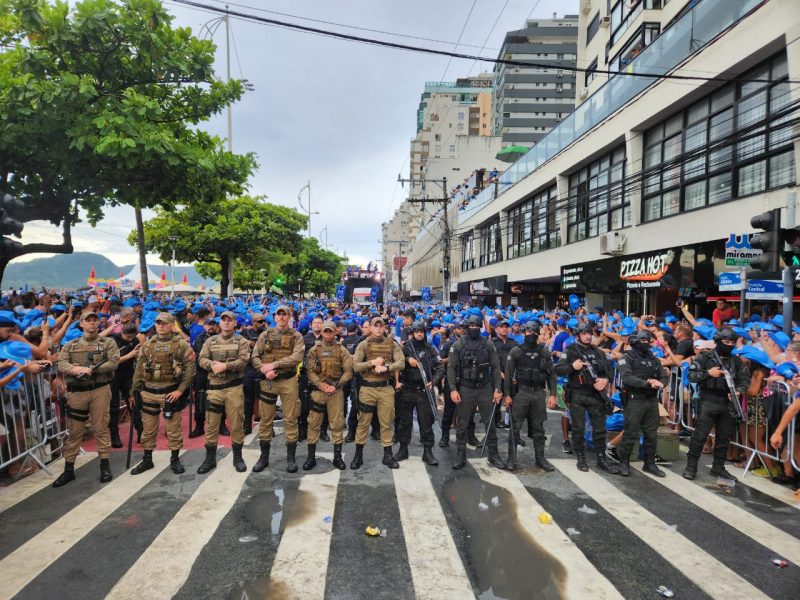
(645, 271)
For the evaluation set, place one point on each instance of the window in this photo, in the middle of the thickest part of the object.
(491, 243)
(734, 142)
(452, 147)
(644, 36)
(597, 202)
(468, 251)
(532, 226)
(461, 116)
(593, 28)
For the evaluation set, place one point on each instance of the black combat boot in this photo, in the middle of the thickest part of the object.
(67, 476)
(323, 436)
(116, 442)
(428, 458)
(291, 465)
(223, 430)
(541, 461)
(511, 461)
(495, 459)
(624, 466)
(472, 440)
(402, 453)
(263, 460)
(388, 459)
(351, 436)
(461, 458)
(311, 460)
(238, 461)
(337, 457)
(105, 471)
(175, 463)
(651, 467)
(445, 441)
(602, 465)
(197, 431)
(358, 459)
(210, 462)
(718, 469)
(302, 433)
(145, 465)
(690, 472)
(521, 442)
(582, 464)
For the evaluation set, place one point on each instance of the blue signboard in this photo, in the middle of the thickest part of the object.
(426, 294)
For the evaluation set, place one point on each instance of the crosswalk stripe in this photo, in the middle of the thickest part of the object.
(428, 537)
(705, 571)
(28, 486)
(750, 525)
(584, 580)
(296, 569)
(163, 568)
(765, 486)
(20, 567)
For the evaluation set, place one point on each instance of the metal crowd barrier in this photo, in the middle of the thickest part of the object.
(31, 423)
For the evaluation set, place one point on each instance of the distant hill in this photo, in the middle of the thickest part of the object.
(71, 271)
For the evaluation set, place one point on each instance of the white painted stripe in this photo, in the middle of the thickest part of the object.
(27, 486)
(777, 540)
(710, 575)
(436, 567)
(297, 569)
(583, 579)
(20, 567)
(165, 566)
(765, 486)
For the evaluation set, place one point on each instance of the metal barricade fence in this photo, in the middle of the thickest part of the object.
(31, 423)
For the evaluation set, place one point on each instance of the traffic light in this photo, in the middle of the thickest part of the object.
(770, 242)
(10, 207)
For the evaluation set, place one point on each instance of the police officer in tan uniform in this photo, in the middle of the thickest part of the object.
(88, 363)
(224, 356)
(164, 370)
(377, 359)
(330, 368)
(276, 355)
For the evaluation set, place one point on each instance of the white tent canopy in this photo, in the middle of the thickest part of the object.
(135, 276)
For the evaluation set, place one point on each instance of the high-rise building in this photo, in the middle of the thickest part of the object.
(530, 100)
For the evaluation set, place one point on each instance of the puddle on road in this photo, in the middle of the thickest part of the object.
(262, 588)
(508, 563)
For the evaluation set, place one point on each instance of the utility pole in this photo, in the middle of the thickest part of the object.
(308, 210)
(445, 200)
(400, 244)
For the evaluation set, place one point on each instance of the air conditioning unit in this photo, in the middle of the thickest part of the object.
(605, 22)
(612, 243)
(584, 92)
(586, 6)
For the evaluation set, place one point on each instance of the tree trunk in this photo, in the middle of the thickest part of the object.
(142, 252)
(224, 281)
(3, 264)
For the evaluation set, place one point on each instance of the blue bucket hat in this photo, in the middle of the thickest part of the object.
(787, 370)
(754, 355)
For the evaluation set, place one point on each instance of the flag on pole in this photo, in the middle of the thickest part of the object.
(92, 277)
(185, 279)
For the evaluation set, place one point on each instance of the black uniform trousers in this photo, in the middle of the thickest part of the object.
(581, 402)
(530, 404)
(714, 412)
(641, 413)
(120, 392)
(251, 391)
(410, 399)
(449, 412)
(470, 399)
(305, 402)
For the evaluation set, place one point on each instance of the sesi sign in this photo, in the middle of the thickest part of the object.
(646, 268)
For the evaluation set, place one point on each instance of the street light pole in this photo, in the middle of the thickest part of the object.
(172, 239)
(325, 231)
(308, 210)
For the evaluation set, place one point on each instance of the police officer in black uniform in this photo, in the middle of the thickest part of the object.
(303, 388)
(582, 392)
(503, 344)
(715, 404)
(449, 411)
(251, 376)
(529, 368)
(200, 381)
(350, 390)
(643, 378)
(413, 395)
(473, 370)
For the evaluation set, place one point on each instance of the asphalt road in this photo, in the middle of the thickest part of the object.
(447, 534)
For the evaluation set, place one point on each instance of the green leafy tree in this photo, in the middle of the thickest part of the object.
(100, 104)
(244, 227)
(318, 268)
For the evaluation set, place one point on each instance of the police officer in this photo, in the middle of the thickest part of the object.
(503, 344)
(277, 353)
(529, 368)
(350, 390)
(164, 369)
(330, 368)
(643, 379)
(715, 404)
(473, 370)
(200, 382)
(251, 376)
(377, 358)
(88, 364)
(224, 356)
(419, 354)
(583, 392)
(309, 339)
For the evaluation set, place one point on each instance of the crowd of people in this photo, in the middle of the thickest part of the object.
(361, 372)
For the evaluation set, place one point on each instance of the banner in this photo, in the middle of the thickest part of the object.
(426, 294)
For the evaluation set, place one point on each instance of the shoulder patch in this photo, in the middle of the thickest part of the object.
(621, 361)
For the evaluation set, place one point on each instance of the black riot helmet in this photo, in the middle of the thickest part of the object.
(583, 328)
(726, 334)
(418, 326)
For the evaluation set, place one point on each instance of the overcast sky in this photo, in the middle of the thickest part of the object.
(337, 113)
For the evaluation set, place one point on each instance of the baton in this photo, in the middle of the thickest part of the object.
(489, 428)
(513, 441)
(130, 433)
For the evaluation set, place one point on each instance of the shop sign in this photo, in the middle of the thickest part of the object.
(532, 288)
(645, 271)
(571, 277)
(739, 251)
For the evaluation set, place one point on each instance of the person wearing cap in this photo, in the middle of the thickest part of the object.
(164, 370)
(377, 359)
(503, 344)
(200, 382)
(350, 391)
(529, 372)
(643, 378)
(129, 348)
(311, 337)
(278, 352)
(419, 354)
(251, 375)
(330, 368)
(224, 356)
(88, 364)
(473, 370)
